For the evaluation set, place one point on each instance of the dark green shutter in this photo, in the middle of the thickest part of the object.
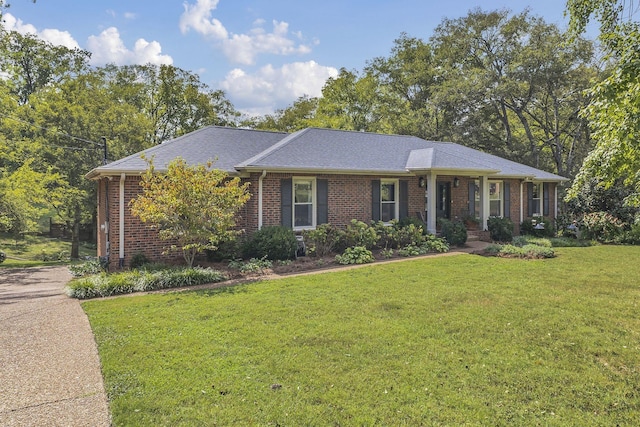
(404, 199)
(286, 205)
(507, 200)
(375, 200)
(472, 198)
(530, 199)
(323, 201)
(545, 199)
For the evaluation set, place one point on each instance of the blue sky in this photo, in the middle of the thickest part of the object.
(263, 53)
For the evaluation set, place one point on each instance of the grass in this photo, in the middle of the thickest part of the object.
(30, 251)
(457, 340)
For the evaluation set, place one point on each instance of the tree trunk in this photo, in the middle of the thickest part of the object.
(75, 235)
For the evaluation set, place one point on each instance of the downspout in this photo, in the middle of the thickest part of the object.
(121, 238)
(106, 222)
(555, 213)
(264, 173)
(521, 202)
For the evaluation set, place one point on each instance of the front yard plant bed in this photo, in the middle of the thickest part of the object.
(463, 340)
(103, 284)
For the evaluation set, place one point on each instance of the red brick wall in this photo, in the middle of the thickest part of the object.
(138, 237)
(349, 198)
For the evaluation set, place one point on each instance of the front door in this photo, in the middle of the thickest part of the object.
(443, 200)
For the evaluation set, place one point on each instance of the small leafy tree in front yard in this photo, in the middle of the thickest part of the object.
(194, 206)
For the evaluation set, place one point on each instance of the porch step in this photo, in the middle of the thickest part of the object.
(478, 236)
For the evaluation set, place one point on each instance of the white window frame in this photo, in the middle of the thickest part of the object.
(501, 199)
(478, 210)
(313, 204)
(396, 198)
(537, 201)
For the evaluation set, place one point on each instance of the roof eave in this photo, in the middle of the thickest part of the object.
(323, 171)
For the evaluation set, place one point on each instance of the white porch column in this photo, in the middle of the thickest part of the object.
(484, 201)
(431, 202)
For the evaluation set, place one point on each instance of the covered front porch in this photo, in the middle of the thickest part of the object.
(463, 198)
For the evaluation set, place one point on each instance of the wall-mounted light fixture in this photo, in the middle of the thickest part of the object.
(456, 182)
(421, 182)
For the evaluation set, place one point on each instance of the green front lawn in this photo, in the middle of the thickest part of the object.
(29, 251)
(453, 340)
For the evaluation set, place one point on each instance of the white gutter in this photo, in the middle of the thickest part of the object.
(121, 238)
(264, 173)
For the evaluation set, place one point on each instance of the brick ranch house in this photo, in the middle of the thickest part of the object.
(317, 176)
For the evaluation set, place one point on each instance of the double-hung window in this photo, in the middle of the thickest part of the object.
(537, 199)
(389, 200)
(496, 198)
(304, 195)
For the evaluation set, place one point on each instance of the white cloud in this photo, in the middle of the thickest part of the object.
(130, 15)
(53, 36)
(108, 47)
(240, 48)
(198, 17)
(270, 88)
(105, 48)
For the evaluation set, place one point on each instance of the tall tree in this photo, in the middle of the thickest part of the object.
(406, 81)
(175, 101)
(614, 113)
(32, 63)
(504, 82)
(298, 116)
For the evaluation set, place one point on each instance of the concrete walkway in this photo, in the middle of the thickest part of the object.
(49, 366)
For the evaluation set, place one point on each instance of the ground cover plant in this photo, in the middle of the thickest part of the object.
(454, 340)
(139, 280)
(33, 250)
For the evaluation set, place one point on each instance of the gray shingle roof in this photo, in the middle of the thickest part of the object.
(317, 150)
(229, 146)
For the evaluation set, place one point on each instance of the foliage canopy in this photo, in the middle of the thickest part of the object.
(193, 207)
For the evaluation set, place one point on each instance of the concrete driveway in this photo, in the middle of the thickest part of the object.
(49, 366)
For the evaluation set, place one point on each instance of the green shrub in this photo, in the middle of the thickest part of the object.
(398, 234)
(254, 265)
(528, 227)
(493, 249)
(412, 250)
(527, 251)
(569, 242)
(409, 234)
(521, 241)
(323, 240)
(630, 237)
(273, 242)
(103, 284)
(500, 229)
(602, 226)
(387, 253)
(227, 250)
(430, 244)
(355, 255)
(92, 266)
(358, 233)
(455, 233)
(138, 260)
(412, 220)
